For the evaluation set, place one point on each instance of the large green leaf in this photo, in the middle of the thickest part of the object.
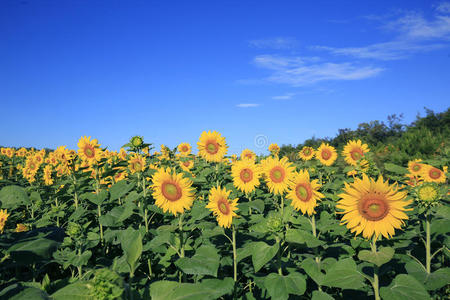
(404, 287)
(395, 168)
(432, 281)
(13, 196)
(299, 236)
(280, 287)
(119, 189)
(343, 274)
(205, 262)
(31, 293)
(311, 268)
(262, 254)
(75, 291)
(382, 256)
(131, 242)
(319, 295)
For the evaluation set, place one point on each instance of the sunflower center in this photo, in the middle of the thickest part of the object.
(303, 192)
(184, 148)
(326, 154)
(428, 193)
(89, 151)
(356, 154)
(212, 147)
(307, 152)
(186, 163)
(373, 207)
(171, 191)
(246, 175)
(248, 155)
(435, 173)
(416, 168)
(224, 206)
(277, 174)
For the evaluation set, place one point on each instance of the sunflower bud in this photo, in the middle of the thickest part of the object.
(274, 223)
(428, 194)
(74, 230)
(137, 141)
(107, 285)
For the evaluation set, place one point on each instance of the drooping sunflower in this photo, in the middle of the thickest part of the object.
(432, 174)
(326, 154)
(120, 174)
(304, 193)
(306, 153)
(274, 149)
(136, 163)
(415, 167)
(172, 191)
(248, 154)
(89, 150)
(3, 217)
(354, 151)
(373, 207)
(245, 175)
(278, 173)
(21, 227)
(222, 206)
(184, 149)
(212, 146)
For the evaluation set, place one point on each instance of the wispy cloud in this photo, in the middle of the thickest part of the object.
(247, 105)
(414, 34)
(284, 97)
(274, 43)
(300, 71)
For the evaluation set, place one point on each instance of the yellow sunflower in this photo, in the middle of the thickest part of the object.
(432, 174)
(248, 154)
(373, 207)
(354, 151)
(89, 150)
(245, 175)
(212, 146)
(306, 153)
(274, 149)
(278, 173)
(3, 217)
(186, 165)
(326, 154)
(222, 207)
(184, 149)
(136, 163)
(172, 191)
(415, 167)
(21, 227)
(121, 174)
(304, 193)
(48, 175)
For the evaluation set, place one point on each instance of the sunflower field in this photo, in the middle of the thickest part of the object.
(325, 224)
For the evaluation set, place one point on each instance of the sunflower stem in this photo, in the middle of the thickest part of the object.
(428, 244)
(234, 254)
(314, 232)
(280, 270)
(281, 205)
(180, 229)
(375, 282)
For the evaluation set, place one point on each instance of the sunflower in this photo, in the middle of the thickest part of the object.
(354, 151)
(326, 154)
(415, 167)
(245, 175)
(306, 153)
(172, 191)
(212, 146)
(186, 165)
(432, 174)
(274, 149)
(278, 173)
(3, 217)
(21, 227)
(184, 149)
(89, 150)
(248, 154)
(120, 174)
(48, 175)
(373, 207)
(136, 163)
(222, 207)
(304, 193)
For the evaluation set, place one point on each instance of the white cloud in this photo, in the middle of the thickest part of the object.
(274, 43)
(284, 97)
(299, 71)
(443, 7)
(246, 105)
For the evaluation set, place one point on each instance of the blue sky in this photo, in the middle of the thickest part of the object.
(258, 72)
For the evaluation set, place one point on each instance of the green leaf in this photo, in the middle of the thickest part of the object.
(33, 249)
(75, 291)
(299, 236)
(13, 196)
(433, 281)
(319, 295)
(95, 198)
(382, 256)
(262, 254)
(312, 269)
(343, 274)
(395, 168)
(205, 262)
(131, 242)
(280, 287)
(119, 189)
(29, 293)
(404, 287)
(257, 204)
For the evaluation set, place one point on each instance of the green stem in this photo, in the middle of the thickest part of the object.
(281, 205)
(375, 282)
(181, 277)
(280, 270)
(99, 211)
(314, 232)
(80, 270)
(428, 245)
(234, 254)
(149, 267)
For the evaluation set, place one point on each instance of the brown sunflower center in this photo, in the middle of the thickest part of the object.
(303, 192)
(184, 148)
(223, 206)
(416, 168)
(356, 154)
(248, 155)
(373, 207)
(307, 152)
(326, 154)
(89, 151)
(171, 191)
(212, 147)
(434, 173)
(186, 163)
(277, 174)
(246, 175)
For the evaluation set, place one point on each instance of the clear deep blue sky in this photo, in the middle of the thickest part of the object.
(167, 70)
